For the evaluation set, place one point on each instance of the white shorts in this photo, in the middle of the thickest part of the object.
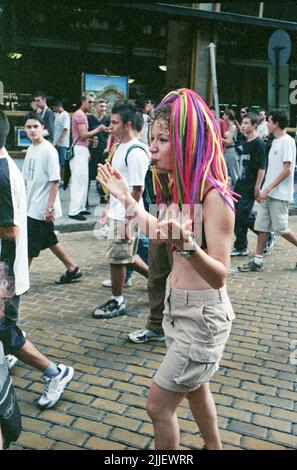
(272, 216)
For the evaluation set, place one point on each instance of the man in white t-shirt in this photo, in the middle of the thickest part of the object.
(262, 129)
(41, 174)
(132, 160)
(61, 134)
(13, 252)
(277, 190)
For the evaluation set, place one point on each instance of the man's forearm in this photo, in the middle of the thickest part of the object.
(260, 178)
(281, 177)
(53, 193)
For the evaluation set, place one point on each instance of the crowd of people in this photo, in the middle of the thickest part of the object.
(174, 158)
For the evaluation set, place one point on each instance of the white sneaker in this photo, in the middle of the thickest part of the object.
(107, 283)
(10, 358)
(55, 386)
(144, 335)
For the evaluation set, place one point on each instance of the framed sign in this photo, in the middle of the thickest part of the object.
(111, 88)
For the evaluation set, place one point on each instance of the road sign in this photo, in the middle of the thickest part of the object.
(279, 44)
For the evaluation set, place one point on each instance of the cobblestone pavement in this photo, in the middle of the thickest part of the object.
(104, 406)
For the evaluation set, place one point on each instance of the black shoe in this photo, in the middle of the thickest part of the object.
(77, 217)
(85, 213)
(69, 276)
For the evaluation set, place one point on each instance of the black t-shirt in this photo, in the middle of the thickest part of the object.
(253, 159)
(94, 122)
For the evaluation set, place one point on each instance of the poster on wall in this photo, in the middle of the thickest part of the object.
(111, 88)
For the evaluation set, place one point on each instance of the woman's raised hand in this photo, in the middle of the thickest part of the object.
(113, 181)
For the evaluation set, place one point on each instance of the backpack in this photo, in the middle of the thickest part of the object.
(10, 417)
(148, 195)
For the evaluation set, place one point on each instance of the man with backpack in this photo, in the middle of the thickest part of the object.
(132, 160)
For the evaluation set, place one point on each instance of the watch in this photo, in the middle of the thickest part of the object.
(190, 252)
(50, 210)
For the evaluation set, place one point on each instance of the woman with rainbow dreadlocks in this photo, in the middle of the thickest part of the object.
(189, 172)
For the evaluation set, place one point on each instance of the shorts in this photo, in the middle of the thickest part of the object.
(41, 235)
(121, 251)
(273, 216)
(62, 152)
(10, 334)
(196, 325)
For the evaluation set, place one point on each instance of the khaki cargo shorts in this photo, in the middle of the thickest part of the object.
(197, 325)
(273, 216)
(121, 251)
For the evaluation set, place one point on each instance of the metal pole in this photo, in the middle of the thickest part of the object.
(214, 79)
(277, 69)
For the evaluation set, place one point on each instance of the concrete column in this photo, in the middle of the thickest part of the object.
(179, 53)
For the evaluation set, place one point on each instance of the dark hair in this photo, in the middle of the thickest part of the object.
(247, 109)
(252, 117)
(40, 93)
(279, 116)
(139, 122)
(141, 102)
(4, 128)
(230, 113)
(101, 100)
(126, 111)
(58, 103)
(35, 116)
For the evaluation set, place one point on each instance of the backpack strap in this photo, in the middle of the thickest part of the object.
(135, 146)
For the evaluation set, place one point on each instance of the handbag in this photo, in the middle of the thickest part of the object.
(10, 417)
(70, 151)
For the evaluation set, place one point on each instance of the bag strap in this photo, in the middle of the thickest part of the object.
(74, 143)
(135, 146)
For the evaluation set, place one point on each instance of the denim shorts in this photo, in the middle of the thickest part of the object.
(196, 325)
(62, 152)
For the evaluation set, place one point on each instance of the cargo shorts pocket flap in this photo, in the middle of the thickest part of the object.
(206, 352)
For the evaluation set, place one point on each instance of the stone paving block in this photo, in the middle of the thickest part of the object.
(80, 398)
(229, 437)
(28, 409)
(35, 425)
(95, 443)
(69, 436)
(191, 442)
(122, 422)
(86, 411)
(67, 339)
(284, 414)
(64, 446)
(277, 402)
(108, 405)
(247, 429)
(116, 375)
(285, 439)
(130, 438)
(144, 381)
(260, 389)
(130, 400)
(103, 393)
(30, 440)
(272, 423)
(92, 427)
(128, 387)
(57, 418)
(141, 371)
(251, 406)
(288, 394)
(251, 443)
(237, 392)
(94, 380)
(229, 412)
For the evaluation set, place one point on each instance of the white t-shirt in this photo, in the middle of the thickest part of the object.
(41, 167)
(283, 149)
(13, 205)
(62, 122)
(262, 130)
(134, 172)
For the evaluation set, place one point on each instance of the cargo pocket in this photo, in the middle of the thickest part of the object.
(202, 364)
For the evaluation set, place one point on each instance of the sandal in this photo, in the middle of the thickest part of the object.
(69, 276)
